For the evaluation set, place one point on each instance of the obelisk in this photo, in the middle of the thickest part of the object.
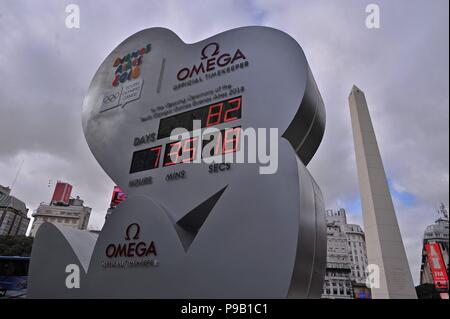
(383, 240)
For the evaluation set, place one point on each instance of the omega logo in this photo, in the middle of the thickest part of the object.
(210, 59)
(136, 232)
(131, 248)
(215, 45)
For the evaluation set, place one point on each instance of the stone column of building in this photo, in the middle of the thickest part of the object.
(383, 240)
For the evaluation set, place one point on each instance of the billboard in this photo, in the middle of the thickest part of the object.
(118, 196)
(437, 265)
(62, 192)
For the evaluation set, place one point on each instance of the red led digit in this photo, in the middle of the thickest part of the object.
(158, 150)
(218, 146)
(233, 140)
(174, 153)
(191, 148)
(214, 115)
(237, 107)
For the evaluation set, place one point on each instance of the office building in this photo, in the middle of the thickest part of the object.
(62, 210)
(13, 214)
(346, 259)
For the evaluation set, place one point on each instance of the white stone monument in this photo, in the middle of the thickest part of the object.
(383, 240)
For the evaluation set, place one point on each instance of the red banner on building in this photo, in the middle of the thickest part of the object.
(118, 196)
(437, 265)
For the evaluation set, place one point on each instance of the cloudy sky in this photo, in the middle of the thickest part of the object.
(403, 67)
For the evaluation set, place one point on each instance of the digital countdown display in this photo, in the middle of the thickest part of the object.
(186, 150)
(209, 115)
(183, 151)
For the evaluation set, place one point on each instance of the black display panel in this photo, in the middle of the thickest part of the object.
(180, 151)
(146, 159)
(225, 141)
(209, 115)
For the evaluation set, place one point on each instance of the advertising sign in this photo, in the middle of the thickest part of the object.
(437, 265)
(118, 196)
(62, 192)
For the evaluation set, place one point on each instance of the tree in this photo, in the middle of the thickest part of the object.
(15, 245)
(427, 291)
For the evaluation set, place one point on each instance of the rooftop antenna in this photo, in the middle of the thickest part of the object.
(6, 198)
(17, 175)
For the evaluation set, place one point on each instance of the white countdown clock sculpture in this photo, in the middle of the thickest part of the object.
(192, 227)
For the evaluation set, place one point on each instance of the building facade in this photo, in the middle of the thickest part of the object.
(357, 250)
(435, 254)
(73, 214)
(337, 283)
(346, 259)
(13, 214)
(356, 242)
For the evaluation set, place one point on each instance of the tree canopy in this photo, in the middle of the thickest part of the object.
(15, 245)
